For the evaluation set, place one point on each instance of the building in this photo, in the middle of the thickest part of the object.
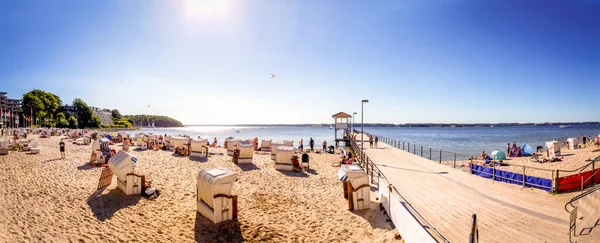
(12, 106)
(104, 114)
(3, 104)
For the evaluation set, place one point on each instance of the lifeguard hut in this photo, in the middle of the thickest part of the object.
(342, 122)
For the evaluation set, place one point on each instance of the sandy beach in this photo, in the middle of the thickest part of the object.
(45, 199)
(571, 161)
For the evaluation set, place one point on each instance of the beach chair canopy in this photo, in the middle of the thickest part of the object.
(246, 151)
(498, 155)
(121, 164)
(527, 150)
(196, 144)
(350, 172)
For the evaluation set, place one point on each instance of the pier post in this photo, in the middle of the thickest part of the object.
(421, 150)
(414, 149)
(440, 156)
(493, 172)
(402, 145)
(454, 161)
(409, 147)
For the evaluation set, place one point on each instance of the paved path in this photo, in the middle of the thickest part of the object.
(447, 198)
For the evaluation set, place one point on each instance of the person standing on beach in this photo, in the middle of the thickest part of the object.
(301, 144)
(324, 146)
(376, 141)
(62, 149)
(508, 149)
(370, 141)
(311, 143)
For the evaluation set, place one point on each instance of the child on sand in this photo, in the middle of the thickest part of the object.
(62, 149)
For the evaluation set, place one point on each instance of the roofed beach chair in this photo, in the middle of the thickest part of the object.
(283, 158)
(198, 148)
(33, 147)
(231, 145)
(356, 187)
(265, 145)
(214, 199)
(3, 147)
(273, 149)
(127, 181)
(246, 153)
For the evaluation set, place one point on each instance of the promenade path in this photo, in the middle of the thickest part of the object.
(447, 198)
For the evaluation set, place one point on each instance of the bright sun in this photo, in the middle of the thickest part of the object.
(203, 9)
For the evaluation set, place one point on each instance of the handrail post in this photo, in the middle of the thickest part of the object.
(402, 145)
(429, 153)
(409, 147)
(421, 150)
(440, 156)
(556, 181)
(414, 149)
(593, 172)
(523, 176)
(493, 172)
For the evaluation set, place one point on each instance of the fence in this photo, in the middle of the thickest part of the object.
(410, 224)
(449, 158)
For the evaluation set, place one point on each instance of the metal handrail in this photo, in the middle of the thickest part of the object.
(580, 196)
(474, 236)
(415, 213)
(592, 162)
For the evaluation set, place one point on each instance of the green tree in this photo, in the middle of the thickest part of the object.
(95, 121)
(83, 112)
(44, 105)
(116, 114)
(61, 120)
(72, 122)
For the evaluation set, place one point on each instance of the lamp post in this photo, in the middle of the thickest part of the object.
(353, 120)
(362, 124)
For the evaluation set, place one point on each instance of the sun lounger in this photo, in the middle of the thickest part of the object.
(214, 199)
(121, 165)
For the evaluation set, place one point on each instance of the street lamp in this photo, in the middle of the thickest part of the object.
(362, 124)
(353, 120)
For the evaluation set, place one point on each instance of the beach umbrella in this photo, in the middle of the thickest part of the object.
(527, 150)
(498, 155)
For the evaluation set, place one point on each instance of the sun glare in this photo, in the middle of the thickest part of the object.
(206, 9)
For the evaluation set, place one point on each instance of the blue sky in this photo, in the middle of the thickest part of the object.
(208, 62)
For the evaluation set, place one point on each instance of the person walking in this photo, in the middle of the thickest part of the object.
(370, 141)
(376, 141)
(324, 146)
(311, 143)
(62, 149)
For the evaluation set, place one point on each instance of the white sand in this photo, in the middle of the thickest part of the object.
(44, 199)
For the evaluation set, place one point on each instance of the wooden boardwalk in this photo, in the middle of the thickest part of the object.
(447, 198)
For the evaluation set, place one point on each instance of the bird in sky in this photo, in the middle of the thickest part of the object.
(148, 106)
(272, 75)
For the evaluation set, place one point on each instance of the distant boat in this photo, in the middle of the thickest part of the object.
(237, 131)
(491, 125)
(330, 126)
(563, 126)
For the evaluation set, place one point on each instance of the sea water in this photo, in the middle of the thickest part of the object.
(465, 141)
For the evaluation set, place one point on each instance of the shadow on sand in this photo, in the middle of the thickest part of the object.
(199, 159)
(104, 206)
(207, 231)
(247, 167)
(294, 173)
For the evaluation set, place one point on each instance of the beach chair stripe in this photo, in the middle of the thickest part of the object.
(105, 179)
(133, 160)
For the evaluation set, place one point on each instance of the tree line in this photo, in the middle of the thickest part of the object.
(46, 109)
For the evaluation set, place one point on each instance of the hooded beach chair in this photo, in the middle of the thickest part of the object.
(121, 164)
(214, 199)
